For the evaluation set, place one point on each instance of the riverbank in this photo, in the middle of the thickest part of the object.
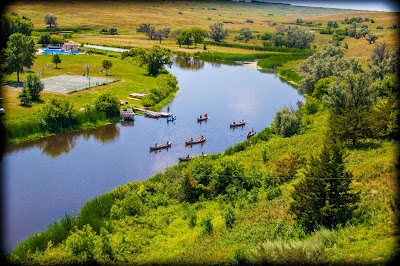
(168, 225)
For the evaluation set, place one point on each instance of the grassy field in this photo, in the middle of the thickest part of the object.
(160, 227)
(184, 14)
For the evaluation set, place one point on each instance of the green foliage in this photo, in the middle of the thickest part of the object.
(11, 23)
(325, 63)
(286, 122)
(311, 106)
(81, 243)
(130, 205)
(107, 64)
(166, 85)
(34, 85)
(57, 114)
(198, 35)
(155, 59)
(50, 19)
(107, 103)
(56, 60)
(185, 38)
(95, 211)
(228, 173)
(44, 39)
(19, 53)
(218, 33)
(323, 197)
(207, 228)
(229, 217)
(25, 97)
(350, 100)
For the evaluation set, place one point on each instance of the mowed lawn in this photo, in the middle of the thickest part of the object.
(132, 79)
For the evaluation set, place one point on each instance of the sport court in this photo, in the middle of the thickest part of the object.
(69, 83)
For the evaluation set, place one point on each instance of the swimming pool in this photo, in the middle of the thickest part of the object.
(56, 51)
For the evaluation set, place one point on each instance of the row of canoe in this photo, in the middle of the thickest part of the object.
(168, 144)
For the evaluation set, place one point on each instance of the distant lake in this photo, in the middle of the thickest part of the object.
(44, 180)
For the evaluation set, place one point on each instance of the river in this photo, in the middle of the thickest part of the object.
(45, 179)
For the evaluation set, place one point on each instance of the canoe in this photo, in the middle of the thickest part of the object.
(250, 134)
(238, 124)
(184, 159)
(171, 118)
(164, 114)
(202, 119)
(195, 141)
(159, 147)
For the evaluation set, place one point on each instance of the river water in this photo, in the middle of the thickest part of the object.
(44, 180)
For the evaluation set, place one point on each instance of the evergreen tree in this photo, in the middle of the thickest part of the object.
(34, 86)
(323, 197)
(24, 97)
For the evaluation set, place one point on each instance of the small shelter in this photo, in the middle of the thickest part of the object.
(70, 46)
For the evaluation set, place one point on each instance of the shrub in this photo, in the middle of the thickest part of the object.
(57, 114)
(230, 217)
(108, 104)
(286, 123)
(81, 243)
(207, 227)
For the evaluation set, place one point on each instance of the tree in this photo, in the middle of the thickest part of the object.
(323, 197)
(147, 29)
(155, 59)
(50, 20)
(19, 53)
(25, 97)
(57, 114)
(198, 35)
(246, 34)
(371, 38)
(218, 33)
(34, 85)
(286, 122)
(56, 60)
(298, 38)
(185, 38)
(350, 99)
(12, 23)
(107, 103)
(44, 39)
(107, 64)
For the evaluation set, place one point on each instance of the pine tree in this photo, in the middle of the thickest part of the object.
(324, 197)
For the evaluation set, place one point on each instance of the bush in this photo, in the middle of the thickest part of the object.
(57, 114)
(286, 123)
(230, 217)
(207, 227)
(81, 243)
(108, 104)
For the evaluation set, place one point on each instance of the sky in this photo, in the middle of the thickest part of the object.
(371, 5)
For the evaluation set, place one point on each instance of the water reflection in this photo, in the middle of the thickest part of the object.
(57, 145)
(188, 62)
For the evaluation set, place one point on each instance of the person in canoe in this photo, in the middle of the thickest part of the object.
(191, 139)
(201, 116)
(206, 115)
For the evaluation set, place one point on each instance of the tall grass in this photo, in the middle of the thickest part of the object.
(273, 61)
(20, 129)
(55, 232)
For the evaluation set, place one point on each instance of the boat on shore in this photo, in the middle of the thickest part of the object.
(151, 114)
(159, 147)
(238, 124)
(195, 141)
